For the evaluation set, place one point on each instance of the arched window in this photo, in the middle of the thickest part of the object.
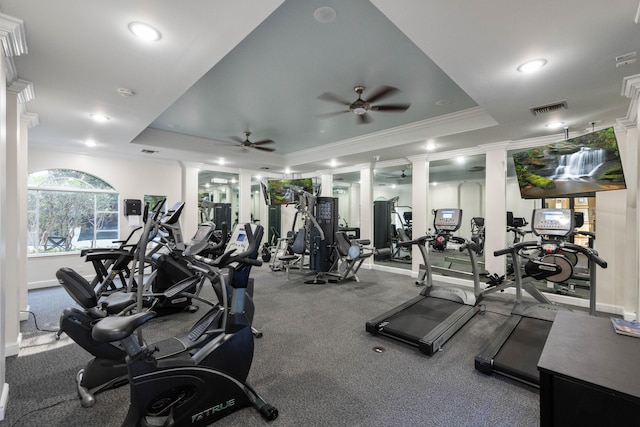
(69, 210)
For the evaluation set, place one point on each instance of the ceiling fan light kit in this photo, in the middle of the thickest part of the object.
(361, 107)
(245, 144)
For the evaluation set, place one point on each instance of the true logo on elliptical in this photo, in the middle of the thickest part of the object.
(208, 412)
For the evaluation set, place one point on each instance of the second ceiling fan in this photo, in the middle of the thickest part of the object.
(258, 145)
(360, 107)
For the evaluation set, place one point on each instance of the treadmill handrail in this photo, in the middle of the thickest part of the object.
(419, 241)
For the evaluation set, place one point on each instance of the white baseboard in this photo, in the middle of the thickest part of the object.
(42, 284)
(3, 400)
(13, 348)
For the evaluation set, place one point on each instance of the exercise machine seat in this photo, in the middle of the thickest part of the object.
(83, 294)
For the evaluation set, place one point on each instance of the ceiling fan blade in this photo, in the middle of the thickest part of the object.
(328, 115)
(237, 139)
(382, 92)
(327, 96)
(264, 148)
(363, 119)
(391, 107)
(264, 141)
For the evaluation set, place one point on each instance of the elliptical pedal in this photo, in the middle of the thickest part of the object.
(203, 324)
(179, 287)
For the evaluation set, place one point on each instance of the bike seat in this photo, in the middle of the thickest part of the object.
(116, 328)
(118, 301)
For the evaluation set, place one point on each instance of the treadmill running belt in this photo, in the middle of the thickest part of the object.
(519, 355)
(416, 321)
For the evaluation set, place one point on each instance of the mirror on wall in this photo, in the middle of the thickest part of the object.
(346, 188)
(457, 183)
(218, 197)
(392, 215)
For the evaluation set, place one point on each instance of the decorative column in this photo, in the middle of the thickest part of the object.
(495, 206)
(244, 198)
(419, 198)
(366, 207)
(13, 41)
(15, 175)
(631, 89)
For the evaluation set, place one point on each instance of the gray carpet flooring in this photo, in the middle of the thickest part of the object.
(315, 363)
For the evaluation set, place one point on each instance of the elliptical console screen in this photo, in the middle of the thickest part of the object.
(552, 222)
(239, 242)
(204, 232)
(447, 219)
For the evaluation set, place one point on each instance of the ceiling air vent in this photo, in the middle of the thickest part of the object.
(145, 151)
(543, 109)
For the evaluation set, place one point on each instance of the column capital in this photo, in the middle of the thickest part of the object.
(23, 89)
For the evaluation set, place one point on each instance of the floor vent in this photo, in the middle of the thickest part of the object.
(543, 109)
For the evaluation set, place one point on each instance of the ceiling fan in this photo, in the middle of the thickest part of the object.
(258, 145)
(400, 177)
(360, 107)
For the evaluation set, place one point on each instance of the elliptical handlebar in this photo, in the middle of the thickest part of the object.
(245, 257)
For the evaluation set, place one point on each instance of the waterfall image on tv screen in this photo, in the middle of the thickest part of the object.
(577, 166)
(284, 191)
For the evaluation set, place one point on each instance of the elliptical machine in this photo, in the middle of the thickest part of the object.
(205, 379)
(108, 369)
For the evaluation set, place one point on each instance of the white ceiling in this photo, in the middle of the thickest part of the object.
(222, 68)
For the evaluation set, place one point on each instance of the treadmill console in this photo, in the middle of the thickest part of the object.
(552, 222)
(447, 219)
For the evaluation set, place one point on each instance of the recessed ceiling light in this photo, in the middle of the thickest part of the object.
(144, 31)
(99, 117)
(430, 146)
(532, 66)
(442, 102)
(90, 143)
(554, 125)
(324, 14)
(221, 161)
(333, 163)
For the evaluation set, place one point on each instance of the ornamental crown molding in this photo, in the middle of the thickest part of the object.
(23, 89)
(630, 89)
(12, 36)
(30, 119)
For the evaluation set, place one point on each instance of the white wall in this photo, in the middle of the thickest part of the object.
(132, 180)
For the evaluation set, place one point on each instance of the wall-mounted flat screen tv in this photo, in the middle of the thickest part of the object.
(285, 191)
(577, 166)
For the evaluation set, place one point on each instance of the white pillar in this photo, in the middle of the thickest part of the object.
(4, 387)
(244, 198)
(27, 120)
(326, 182)
(419, 197)
(354, 205)
(13, 40)
(631, 89)
(190, 217)
(366, 208)
(495, 207)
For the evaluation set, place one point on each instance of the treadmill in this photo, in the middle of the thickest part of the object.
(515, 349)
(438, 312)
